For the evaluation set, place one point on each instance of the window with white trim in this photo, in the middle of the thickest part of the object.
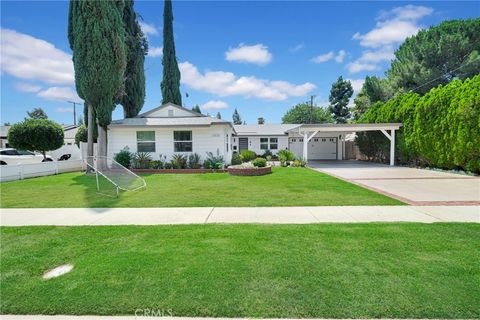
(145, 141)
(269, 143)
(182, 141)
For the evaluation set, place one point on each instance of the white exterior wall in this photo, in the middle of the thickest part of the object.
(204, 139)
(340, 142)
(254, 143)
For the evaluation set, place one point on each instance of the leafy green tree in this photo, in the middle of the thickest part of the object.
(37, 113)
(197, 109)
(219, 116)
(377, 89)
(261, 120)
(99, 58)
(340, 94)
(236, 117)
(361, 104)
(171, 74)
(304, 113)
(137, 48)
(437, 56)
(40, 135)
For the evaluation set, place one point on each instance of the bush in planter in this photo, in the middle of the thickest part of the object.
(260, 162)
(213, 162)
(248, 155)
(236, 159)
(124, 157)
(194, 161)
(299, 163)
(283, 160)
(156, 164)
(179, 161)
(141, 160)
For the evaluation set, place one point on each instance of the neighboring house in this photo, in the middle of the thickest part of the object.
(171, 129)
(68, 147)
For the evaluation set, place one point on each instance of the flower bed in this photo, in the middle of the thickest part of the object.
(178, 170)
(248, 170)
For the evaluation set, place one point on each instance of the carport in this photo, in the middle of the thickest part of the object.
(308, 131)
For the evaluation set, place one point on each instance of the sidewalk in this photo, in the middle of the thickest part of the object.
(291, 215)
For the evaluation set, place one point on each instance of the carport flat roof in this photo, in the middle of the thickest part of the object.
(346, 127)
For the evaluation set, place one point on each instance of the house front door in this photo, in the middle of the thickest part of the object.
(242, 144)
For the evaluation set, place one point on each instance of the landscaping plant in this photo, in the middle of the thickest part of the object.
(124, 157)
(236, 159)
(260, 162)
(287, 154)
(248, 155)
(213, 162)
(194, 161)
(179, 161)
(141, 160)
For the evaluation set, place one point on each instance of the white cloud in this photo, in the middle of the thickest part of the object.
(214, 104)
(64, 110)
(228, 84)
(155, 52)
(356, 84)
(391, 29)
(323, 57)
(148, 28)
(59, 94)
(298, 47)
(27, 87)
(340, 56)
(29, 58)
(257, 54)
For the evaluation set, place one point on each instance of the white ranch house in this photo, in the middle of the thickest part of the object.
(171, 129)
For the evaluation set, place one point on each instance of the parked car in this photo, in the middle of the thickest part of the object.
(14, 156)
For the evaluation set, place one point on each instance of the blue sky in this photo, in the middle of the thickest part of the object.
(260, 57)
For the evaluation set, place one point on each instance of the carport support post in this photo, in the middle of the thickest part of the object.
(392, 147)
(305, 146)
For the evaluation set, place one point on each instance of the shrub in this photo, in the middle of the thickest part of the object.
(194, 161)
(213, 162)
(179, 161)
(260, 162)
(141, 160)
(287, 155)
(236, 159)
(299, 163)
(124, 157)
(283, 160)
(82, 135)
(248, 155)
(156, 164)
(266, 154)
(36, 135)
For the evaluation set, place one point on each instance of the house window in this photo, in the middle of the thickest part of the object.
(269, 143)
(182, 141)
(273, 143)
(146, 141)
(264, 143)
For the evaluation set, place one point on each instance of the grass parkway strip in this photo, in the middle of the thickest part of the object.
(297, 271)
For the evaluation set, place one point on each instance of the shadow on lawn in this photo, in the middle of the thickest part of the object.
(92, 198)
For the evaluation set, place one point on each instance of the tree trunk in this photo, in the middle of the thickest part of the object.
(89, 137)
(102, 141)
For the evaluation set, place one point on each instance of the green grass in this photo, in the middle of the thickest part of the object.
(284, 187)
(347, 271)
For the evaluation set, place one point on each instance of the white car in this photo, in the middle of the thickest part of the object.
(14, 156)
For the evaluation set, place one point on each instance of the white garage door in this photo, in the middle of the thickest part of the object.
(318, 148)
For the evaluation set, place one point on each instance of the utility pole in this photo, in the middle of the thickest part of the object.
(311, 108)
(74, 112)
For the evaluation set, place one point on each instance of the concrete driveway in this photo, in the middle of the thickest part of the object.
(411, 185)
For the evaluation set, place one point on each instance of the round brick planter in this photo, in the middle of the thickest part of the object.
(239, 171)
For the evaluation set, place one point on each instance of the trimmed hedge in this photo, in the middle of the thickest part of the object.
(440, 129)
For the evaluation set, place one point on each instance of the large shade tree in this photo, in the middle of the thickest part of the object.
(37, 113)
(137, 48)
(97, 37)
(305, 113)
(236, 117)
(340, 95)
(36, 135)
(171, 74)
(437, 55)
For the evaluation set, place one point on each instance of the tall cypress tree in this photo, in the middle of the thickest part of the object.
(339, 96)
(137, 48)
(236, 117)
(97, 36)
(171, 74)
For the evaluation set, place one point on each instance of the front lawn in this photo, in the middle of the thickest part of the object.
(284, 187)
(299, 271)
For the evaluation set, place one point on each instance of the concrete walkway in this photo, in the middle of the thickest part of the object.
(281, 215)
(411, 185)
